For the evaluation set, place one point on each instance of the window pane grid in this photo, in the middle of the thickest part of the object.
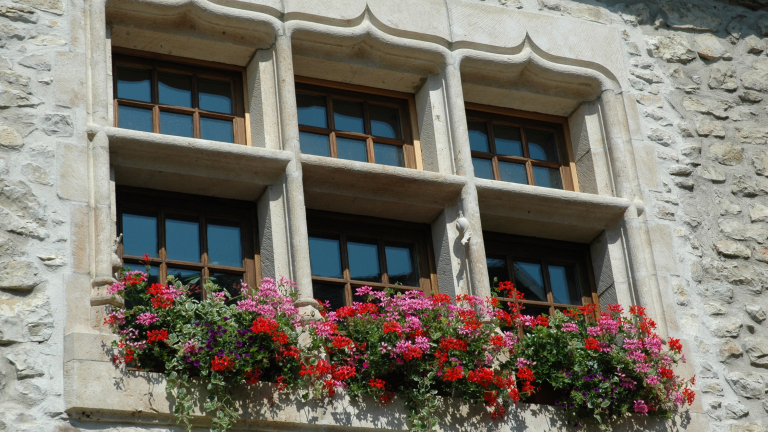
(176, 89)
(511, 157)
(190, 269)
(377, 124)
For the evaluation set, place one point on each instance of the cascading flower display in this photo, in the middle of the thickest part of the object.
(223, 341)
(418, 347)
(604, 366)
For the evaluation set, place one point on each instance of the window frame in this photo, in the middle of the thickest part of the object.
(340, 226)
(526, 120)
(162, 204)
(183, 66)
(545, 252)
(405, 102)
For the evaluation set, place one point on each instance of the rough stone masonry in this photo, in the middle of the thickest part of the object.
(699, 75)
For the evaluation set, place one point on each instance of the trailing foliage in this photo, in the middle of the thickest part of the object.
(397, 344)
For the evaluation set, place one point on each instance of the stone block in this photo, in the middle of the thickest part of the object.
(708, 46)
(757, 351)
(753, 44)
(714, 107)
(675, 48)
(59, 125)
(73, 172)
(80, 238)
(756, 77)
(751, 96)
(27, 363)
(748, 387)
(731, 249)
(28, 321)
(69, 79)
(10, 138)
(726, 153)
(755, 312)
(52, 6)
(36, 61)
(735, 410)
(20, 13)
(747, 427)
(752, 134)
(758, 213)
(725, 328)
(711, 172)
(36, 174)
(683, 15)
(760, 162)
(19, 275)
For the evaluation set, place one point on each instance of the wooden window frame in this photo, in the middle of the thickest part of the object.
(235, 75)
(404, 102)
(343, 226)
(162, 204)
(526, 120)
(545, 252)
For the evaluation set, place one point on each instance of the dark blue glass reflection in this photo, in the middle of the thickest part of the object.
(542, 145)
(314, 144)
(176, 124)
(508, 140)
(312, 110)
(139, 235)
(182, 240)
(351, 149)
(483, 168)
(216, 130)
(530, 281)
(513, 172)
(565, 287)
(400, 266)
(547, 177)
(139, 119)
(175, 89)
(325, 257)
(386, 154)
(333, 294)
(478, 136)
(364, 261)
(385, 122)
(134, 84)
(348, 116)
(215, 95)
(224, 246)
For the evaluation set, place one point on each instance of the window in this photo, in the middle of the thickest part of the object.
(348, 252)
(551, 274)
(519, 150)
(187, 236)
(345, 124)
(179, 99)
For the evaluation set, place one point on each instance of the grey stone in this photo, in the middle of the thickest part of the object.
(751, 96)
(754, 45)
(21, 212)
(725, 329)
(755, 312)
(58, 125)
(685, 183)
(746, 387)
(647, 76)
(661, 137)
(14, 80)
(54, 260)
(15, 98)
(715, 108)
(758, 213)
(744, 187)
(19, 13)
(634, 14)
(53, 6)
(10, 31)
(760, 162)
(10, 138)
(707, 371)
(680, 170)
(29, 393)
(46, 40)
(731, 228)
(673, 49)
(36, 61)
(715, 308)
(691, 151)
(762, 24)
(723, 76)
(735, 410)
(26, 362)
(721, 292)
(36, 173)
(752, 134)
(756, 77)
(757, 351)
(747, 427)
(708, 46)
(689, 16)
(711, 172)
(726, 153)
(735, 28)
(707, 127)
(712, 388)
(19, 275)
(731, 249)
(729, 350)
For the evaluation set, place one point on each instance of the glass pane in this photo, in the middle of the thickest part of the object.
(364, 261)
(483, 168)
(401, 267)
(547, 177)
(478, 136)
(139, 119)
(508, 140)
(134, 84)
(351, 149)
(188, 277)
(175, 89)
(312, 110)
(176, 124)
(529, 281)
(389, 155)
(325, 257)
(385, 122)
(542, 145)
(315, 144)
(216, 130)
(230, 282)
(182, 240)
(497, 273)
(334, 294)
(215, 95)
(565, 285)
(513, 172)
(534, 310)
(348, 116)
(140, 235)
(133, 297)
(224, 246)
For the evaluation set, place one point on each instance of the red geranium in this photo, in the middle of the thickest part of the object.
(157, 336)
(222, 363)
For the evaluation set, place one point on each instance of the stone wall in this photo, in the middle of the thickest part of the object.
(698, 72)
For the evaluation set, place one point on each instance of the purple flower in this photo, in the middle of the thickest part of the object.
(196, 363)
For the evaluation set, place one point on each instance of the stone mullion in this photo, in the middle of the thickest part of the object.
(468, 202)
(298, 235)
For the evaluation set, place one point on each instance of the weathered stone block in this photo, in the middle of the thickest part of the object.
(756, 77)
(745, 386)
(757, 351)
(711, 172)
(732, 249)
(26, 362)
(726, 329)
(758, 213)
(19, 275)
(689, 16)
(36, 61)
(19, 13)
(715, 108)
(760, 162)
(726, 153)
(723, 76)
(708, 46)
(753, 44)
(673, 48)
(729, 350)
(755, 312)
(10, 138)
(58, 125)
(735, 410)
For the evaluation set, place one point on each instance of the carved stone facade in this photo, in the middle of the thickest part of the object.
(668, 118)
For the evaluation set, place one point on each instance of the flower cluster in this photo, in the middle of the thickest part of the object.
(223, 340)
(417, 346)
(606, 365)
